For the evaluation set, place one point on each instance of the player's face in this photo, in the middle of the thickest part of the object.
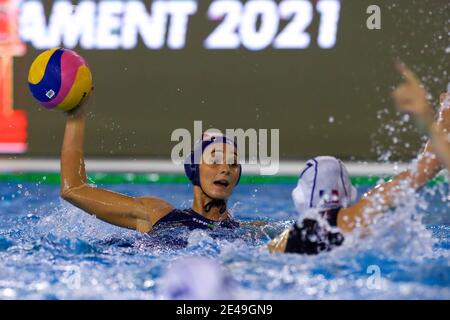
(219, 170)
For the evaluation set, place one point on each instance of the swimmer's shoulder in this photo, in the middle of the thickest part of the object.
(154, 210)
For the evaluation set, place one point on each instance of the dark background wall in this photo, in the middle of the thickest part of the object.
(142, 95)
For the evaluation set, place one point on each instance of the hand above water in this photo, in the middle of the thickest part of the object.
(411, 96)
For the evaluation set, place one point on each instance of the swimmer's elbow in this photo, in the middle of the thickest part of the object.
(64, 194)
(69, 193)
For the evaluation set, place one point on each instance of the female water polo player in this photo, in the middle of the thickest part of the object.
(213, 180)
(324, 186)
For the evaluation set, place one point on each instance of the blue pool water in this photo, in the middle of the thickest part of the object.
(51, 250)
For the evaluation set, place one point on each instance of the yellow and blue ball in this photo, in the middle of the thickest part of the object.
(60, 79)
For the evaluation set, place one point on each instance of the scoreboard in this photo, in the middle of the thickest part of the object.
(111, 25)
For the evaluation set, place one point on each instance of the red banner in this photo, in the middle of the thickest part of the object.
(13, 123)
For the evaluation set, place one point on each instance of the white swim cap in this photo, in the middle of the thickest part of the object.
(197, 278)
(323, 184)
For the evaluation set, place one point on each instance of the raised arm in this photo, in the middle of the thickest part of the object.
(409, 96)
(139, 213)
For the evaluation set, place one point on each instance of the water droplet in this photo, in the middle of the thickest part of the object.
(405, 118)
(149, 283)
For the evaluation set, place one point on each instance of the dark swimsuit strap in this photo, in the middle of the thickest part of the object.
(193, 219)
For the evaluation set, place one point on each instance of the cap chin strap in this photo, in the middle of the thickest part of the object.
(219, 203)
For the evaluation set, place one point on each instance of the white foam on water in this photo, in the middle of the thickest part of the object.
(398, 234)
(67, 221)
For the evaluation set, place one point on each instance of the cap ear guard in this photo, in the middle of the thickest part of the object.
(191, 164)
(299, 199)
(298, 195)
(192, 170)
(350, 198)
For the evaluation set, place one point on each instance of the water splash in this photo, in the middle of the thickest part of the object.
(59, 252)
